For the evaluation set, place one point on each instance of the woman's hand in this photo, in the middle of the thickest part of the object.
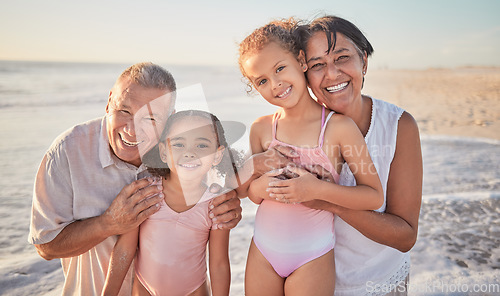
(274, 158)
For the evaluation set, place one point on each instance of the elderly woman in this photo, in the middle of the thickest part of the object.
(371, 252)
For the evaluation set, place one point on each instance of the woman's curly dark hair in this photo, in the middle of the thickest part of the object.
(231, 158)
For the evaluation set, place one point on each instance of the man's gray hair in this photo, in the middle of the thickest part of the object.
(151, 76)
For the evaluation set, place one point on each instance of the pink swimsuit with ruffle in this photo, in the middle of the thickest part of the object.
(290, 235)
(171, 259)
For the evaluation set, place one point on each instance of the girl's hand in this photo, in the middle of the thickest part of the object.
(257, 191)
(295, 190)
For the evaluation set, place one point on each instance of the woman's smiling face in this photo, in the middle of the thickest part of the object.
(335, 77)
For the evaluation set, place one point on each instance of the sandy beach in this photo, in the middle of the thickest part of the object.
(457, 102)
(458, 113)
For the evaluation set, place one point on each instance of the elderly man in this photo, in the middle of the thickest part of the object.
(86, 189)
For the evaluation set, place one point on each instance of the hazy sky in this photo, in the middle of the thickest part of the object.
(405, 34)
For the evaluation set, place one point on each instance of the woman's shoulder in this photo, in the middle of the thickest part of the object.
(383, 108)
(407, 125)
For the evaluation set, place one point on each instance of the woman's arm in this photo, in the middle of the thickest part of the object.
(343, 140)
(218, 258)
(398, 226)
(119, 264)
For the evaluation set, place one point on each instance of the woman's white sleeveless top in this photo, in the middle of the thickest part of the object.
(363, 266)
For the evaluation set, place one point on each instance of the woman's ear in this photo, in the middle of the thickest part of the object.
(218, 155)
(302, 60)
(365, 63)
(163, 151)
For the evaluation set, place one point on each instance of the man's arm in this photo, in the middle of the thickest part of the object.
(129, 209)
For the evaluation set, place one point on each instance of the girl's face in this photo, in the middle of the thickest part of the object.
(335, 77)
(191, 148)
(277, 75)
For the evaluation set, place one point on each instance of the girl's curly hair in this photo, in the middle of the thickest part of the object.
(282, 32)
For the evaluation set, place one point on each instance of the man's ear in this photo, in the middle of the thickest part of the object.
(218, 155)
(109, 100)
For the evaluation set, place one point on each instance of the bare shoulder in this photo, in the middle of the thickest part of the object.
(262, 125)
(340, 125)
(263, 121)
(261, 133)
(407, 128)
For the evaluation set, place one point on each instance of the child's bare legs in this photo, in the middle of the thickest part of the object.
(260, 277)
(138, 289)
(202, 290)
(316, 277)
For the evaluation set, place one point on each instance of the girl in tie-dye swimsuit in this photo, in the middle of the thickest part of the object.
(171, 258)
(292, 249)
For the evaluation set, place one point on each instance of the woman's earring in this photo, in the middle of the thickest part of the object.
(364, 72)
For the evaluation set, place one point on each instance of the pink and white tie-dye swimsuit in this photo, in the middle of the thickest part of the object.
(290, 235)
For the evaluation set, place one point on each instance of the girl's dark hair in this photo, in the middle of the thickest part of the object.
(331, 25)
(230, 160)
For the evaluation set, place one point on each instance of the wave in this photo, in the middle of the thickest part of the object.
(457, 139)
(66, 102)
(462, 196)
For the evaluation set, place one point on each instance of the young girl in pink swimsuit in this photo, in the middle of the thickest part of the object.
(292, 249)
(172, 243)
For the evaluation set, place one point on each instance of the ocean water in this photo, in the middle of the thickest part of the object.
(458, 248)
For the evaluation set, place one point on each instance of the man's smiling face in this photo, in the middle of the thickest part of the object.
(136, 116)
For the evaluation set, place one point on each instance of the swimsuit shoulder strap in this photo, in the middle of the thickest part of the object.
(276, 116)
(323, 126)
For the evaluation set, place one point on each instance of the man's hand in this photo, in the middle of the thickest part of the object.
(134, 204)
(225, 209)
(129, 209)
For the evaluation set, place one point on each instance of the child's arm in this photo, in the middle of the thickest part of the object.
(246, 173)
(366, 195)
(119, 264)
(218, 258)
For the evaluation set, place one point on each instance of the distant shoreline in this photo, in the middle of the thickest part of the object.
(462, 101)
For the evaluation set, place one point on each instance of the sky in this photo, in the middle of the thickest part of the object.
(404, 34)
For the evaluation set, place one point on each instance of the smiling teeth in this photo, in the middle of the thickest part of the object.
(337, 87)
(130, 144)
(188, 165)
(285, 92)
